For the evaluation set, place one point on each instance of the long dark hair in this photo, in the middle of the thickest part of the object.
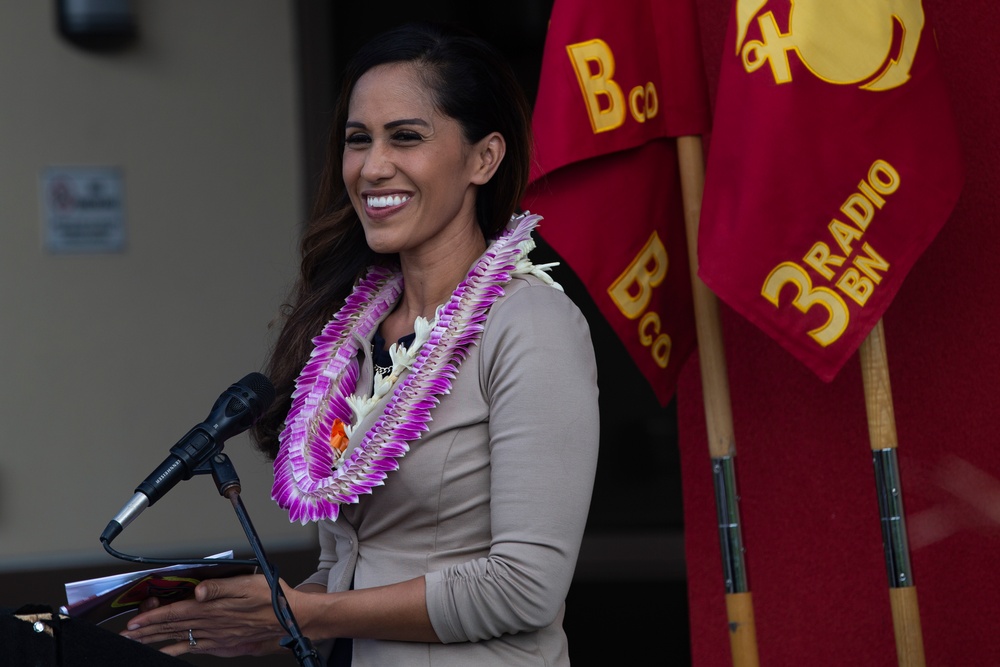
(470, 82)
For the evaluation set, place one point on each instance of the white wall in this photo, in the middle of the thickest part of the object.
(106, 360)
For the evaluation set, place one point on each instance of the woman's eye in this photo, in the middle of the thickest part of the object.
(357, 139)
(406, 136)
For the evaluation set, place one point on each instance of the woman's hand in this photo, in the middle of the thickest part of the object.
(227, 617)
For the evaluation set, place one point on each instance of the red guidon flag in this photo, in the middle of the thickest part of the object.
(619, 81)
(834, 161)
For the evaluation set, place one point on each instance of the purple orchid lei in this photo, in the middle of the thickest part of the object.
(310, 480)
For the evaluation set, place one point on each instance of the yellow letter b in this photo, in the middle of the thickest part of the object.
(604, 98)
(633, 289)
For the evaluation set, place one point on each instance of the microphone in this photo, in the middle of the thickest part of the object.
(234, 412)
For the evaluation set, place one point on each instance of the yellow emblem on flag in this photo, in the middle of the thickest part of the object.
(872, 44)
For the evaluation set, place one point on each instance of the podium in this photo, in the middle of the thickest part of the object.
(38, 636)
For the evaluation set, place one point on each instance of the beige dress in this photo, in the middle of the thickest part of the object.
(490, 504)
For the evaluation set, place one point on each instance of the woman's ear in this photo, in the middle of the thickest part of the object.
(488, 152)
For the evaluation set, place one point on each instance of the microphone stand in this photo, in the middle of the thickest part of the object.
(228, 483)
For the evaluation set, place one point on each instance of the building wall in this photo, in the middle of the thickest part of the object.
(109, 358)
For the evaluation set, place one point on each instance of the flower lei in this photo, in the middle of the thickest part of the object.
(315, 471)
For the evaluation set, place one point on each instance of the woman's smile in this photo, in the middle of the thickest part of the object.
(381, 206)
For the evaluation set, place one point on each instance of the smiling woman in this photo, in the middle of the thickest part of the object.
(451, 472)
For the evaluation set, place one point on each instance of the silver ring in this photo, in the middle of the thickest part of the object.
(191, 640)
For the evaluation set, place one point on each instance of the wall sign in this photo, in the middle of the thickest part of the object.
(83, 209)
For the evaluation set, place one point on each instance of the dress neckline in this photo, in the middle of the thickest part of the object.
(380, 351)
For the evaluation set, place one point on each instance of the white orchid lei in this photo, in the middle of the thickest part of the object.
(316, 470)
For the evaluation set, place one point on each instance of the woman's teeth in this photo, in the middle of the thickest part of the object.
(383, 202)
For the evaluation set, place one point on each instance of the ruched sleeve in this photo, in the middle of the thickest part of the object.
(538, 372)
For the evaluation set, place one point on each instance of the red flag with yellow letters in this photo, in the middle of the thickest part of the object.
(618, 83)
(834, 161)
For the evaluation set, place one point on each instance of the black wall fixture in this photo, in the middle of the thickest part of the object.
(97, 25)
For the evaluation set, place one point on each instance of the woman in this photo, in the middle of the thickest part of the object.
(451, 474)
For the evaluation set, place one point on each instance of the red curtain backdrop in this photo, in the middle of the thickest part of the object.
(804, 469)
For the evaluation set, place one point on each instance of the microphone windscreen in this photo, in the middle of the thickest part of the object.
(259, 385)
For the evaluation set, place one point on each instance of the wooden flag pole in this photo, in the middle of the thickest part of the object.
(718, 415)
(882, 433)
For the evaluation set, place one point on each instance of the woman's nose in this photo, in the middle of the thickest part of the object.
(378, 163)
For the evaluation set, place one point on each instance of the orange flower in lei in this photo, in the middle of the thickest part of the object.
(338, 439)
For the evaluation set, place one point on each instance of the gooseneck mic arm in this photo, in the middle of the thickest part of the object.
(200, 452)
(234, 412)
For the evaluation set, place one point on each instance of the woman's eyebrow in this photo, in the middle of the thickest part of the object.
(407, 121)
(391, 124)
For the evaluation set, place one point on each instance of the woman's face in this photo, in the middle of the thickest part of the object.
(408, 169)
